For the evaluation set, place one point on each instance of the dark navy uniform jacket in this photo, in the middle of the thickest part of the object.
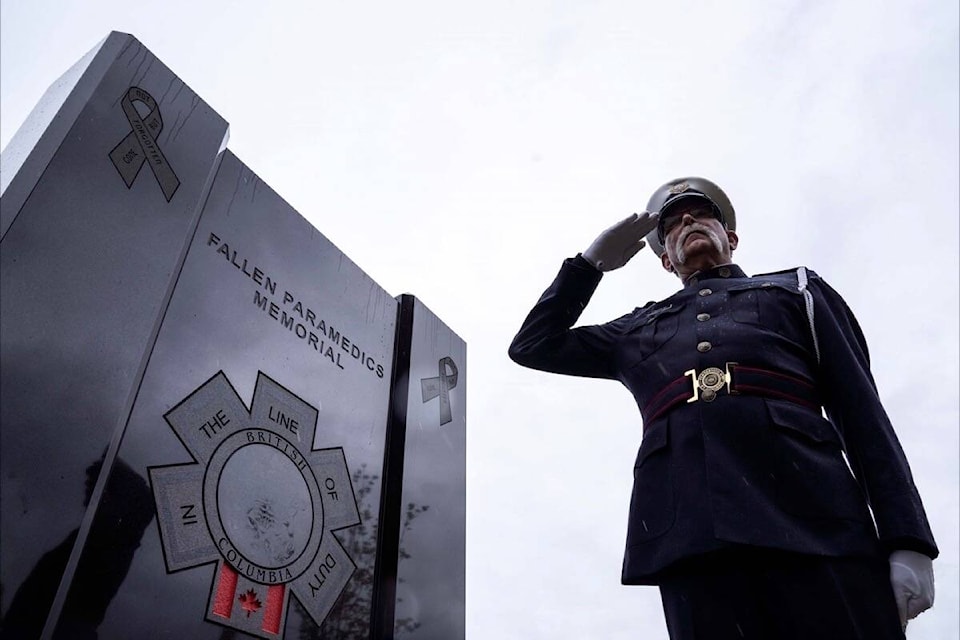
(759, 464)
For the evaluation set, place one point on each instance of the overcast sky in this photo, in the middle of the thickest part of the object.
(459, 151)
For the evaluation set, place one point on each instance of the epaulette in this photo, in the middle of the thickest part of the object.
(785, 276)
(775, 273)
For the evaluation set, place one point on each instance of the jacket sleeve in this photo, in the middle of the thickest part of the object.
(546, 340)
(873, 450)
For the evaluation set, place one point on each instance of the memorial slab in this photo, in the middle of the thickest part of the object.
(86, 264)
(267, 313)
(431, 571)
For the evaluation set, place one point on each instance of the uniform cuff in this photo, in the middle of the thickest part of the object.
(582, 263)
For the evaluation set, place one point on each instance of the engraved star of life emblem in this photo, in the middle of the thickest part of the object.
(259, 501)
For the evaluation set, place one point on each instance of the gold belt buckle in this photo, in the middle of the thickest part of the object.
(709, 381)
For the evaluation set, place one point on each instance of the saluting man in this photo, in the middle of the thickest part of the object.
(744, 511)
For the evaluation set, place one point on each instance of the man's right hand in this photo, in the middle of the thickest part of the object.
(614, 247)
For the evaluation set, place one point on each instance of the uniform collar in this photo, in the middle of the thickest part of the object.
(728, 270)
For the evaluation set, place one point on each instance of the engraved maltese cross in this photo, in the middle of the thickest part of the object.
(258, 501)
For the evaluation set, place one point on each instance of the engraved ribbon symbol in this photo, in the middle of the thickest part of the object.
(440, 386)
(140, 145)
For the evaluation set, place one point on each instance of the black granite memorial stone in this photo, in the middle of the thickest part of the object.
(433, 528)
(206, 406)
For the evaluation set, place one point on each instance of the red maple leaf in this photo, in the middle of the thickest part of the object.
(249, 602)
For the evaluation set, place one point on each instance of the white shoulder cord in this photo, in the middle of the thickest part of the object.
(808, 298)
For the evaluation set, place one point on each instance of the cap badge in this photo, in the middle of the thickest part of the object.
(679, 188)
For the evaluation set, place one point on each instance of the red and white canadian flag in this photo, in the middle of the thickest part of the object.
(251, 607)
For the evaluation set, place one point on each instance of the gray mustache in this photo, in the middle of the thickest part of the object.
(696, 227)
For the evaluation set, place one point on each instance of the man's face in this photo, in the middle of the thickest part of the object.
(694, 239)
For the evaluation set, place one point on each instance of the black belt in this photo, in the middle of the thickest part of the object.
(737, 379)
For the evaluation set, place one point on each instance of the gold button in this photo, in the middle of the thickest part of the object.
(703, 317)
(705, 292)
(704, 346)
(724, 272)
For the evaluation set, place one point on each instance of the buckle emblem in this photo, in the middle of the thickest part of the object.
(708, 382)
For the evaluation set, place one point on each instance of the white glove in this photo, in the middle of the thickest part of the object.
(614, 247)
(911, 575)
